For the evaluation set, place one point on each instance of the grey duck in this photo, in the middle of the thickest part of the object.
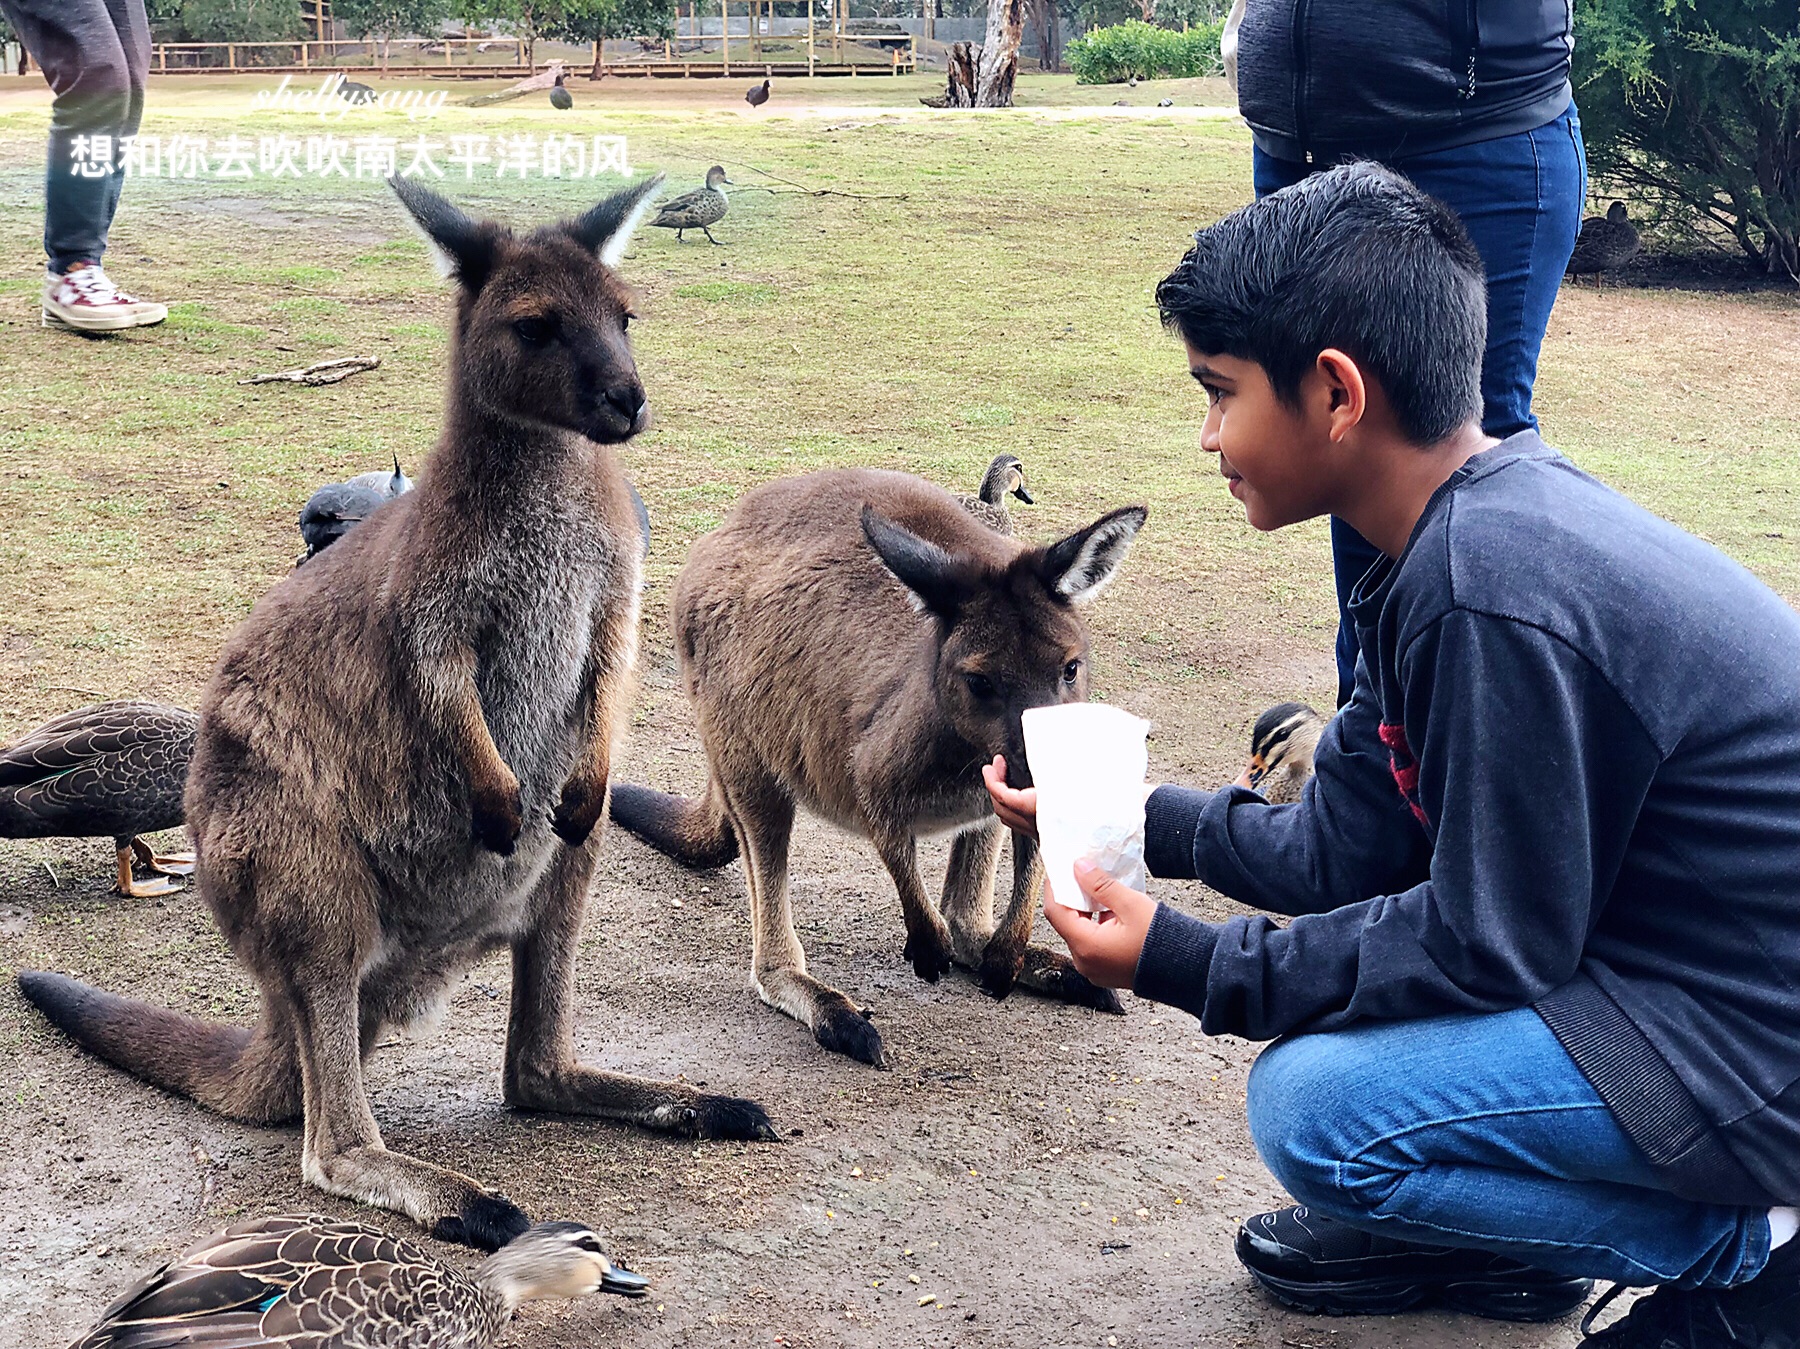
(1282, 744)
(356, 94)
(1005, 475)
(311, 1283)
(1605, 242)
(333, 511)
(112, 770)
(697, 209)
(560, 98)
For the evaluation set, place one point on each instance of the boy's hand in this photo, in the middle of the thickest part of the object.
(1017, 809)
(1105, 946)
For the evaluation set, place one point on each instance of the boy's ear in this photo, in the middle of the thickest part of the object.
(1347, 392)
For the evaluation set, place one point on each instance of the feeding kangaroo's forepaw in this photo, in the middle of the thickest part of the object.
(844, 1030)
(499, 815)
(579, 810)
(486, 1222)
(929, 953)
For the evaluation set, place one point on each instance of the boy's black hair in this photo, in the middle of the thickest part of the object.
(1355, 258)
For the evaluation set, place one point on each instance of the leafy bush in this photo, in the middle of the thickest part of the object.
(241, 20)
(1111, 55)
(1693, 107)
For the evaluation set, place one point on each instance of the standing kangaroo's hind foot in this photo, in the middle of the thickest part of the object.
(371, 821)
(855, 642)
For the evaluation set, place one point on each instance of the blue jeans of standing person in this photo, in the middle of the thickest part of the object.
(95, 54)
(1520, 199)
(1479, 1131)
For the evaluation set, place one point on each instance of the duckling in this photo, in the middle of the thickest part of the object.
(758, 94)
(697, 209)
(311, 1281)
(112, 770)
(1605, 242)
(1282, 744)
(1005, 475)
(332, 512)
(356, 94)
(560, 98)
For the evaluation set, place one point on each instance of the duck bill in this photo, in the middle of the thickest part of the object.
(1024, 496)
(624, 1282)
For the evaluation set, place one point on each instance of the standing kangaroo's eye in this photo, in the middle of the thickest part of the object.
(534, 332)
(625, 322)
(980, 685)
(1071, 672)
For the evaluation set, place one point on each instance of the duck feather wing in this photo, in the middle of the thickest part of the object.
(115, 768)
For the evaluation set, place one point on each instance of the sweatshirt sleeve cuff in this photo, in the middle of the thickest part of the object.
(1171, 817)
(1173, 965)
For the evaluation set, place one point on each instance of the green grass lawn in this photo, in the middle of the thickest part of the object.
(989, 289)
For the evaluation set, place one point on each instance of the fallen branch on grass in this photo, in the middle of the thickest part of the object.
(802, 190)
(325, 372)
(531, 84)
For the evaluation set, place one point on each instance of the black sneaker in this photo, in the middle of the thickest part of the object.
(1318, 1264)
(1761, 1314)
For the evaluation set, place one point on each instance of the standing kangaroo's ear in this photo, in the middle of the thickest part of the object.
(936, 582)
(1079, 567)
(461, 246)
(608, 227)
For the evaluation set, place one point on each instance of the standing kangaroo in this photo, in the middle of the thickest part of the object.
(856, 642)
(373, 818)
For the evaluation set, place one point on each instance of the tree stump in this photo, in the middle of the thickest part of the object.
(959, 91)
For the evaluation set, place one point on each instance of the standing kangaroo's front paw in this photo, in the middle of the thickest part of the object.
(1001, 963)
(499, 815)
(583, 803)
(929, 952)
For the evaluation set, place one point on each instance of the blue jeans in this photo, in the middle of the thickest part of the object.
(1520, 199)
(1479, 1131)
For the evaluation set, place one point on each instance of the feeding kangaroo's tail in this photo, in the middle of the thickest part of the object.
(245, 1074)
(695, 833)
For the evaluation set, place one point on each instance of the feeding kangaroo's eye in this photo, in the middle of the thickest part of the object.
(980, 685)
(1071, 672)
(534, 332)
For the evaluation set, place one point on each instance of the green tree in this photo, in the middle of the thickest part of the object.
(1693, 106)
(386, 20)
(527, 20)
(596, 21)
(241, 20)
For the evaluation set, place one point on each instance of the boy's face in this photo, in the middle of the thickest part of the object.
(1278, 460)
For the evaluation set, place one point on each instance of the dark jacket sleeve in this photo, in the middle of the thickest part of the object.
(1531, 774)
(1350, 836)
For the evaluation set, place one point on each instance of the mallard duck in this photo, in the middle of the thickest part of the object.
(352, 92)
(1605, 242)
(560, 98)
(1005, 475)
(758, 94)
(113, 770)
(697, 209)
(332, 512)
(312, 1283)
(1281, 751)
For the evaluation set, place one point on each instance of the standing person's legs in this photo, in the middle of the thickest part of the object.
(79, 45)
(1479, 1132)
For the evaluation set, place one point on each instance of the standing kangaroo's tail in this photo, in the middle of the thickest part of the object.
(248, 1075)
(695, 833)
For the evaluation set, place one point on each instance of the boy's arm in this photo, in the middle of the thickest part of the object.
(1532, 773)
(1349, 837)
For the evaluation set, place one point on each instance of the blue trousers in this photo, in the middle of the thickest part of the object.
(1479, 1131)
(1520, 199)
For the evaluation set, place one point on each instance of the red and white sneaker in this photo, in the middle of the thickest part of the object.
(85, 298)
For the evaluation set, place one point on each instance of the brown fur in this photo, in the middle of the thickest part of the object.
(828, 633)
(375, 813)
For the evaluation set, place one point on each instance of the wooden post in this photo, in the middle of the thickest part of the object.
(928, 12)
(231, 57)
(755, 13)
(725, 36)
(812, 11)
(303, 47)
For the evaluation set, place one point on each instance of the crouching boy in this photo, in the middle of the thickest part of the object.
(1538, 1008)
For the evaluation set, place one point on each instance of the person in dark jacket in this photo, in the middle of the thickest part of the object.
(1540, 997)
(1471, 100)
(95, 54)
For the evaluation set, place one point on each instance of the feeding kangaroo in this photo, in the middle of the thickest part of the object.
(373, 816)
(856, 642)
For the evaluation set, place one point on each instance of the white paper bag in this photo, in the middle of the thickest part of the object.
(1088, 763)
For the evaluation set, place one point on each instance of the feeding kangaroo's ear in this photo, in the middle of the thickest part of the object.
(1079, 567)
(608, 227)
(937, 582)
(462, 246)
